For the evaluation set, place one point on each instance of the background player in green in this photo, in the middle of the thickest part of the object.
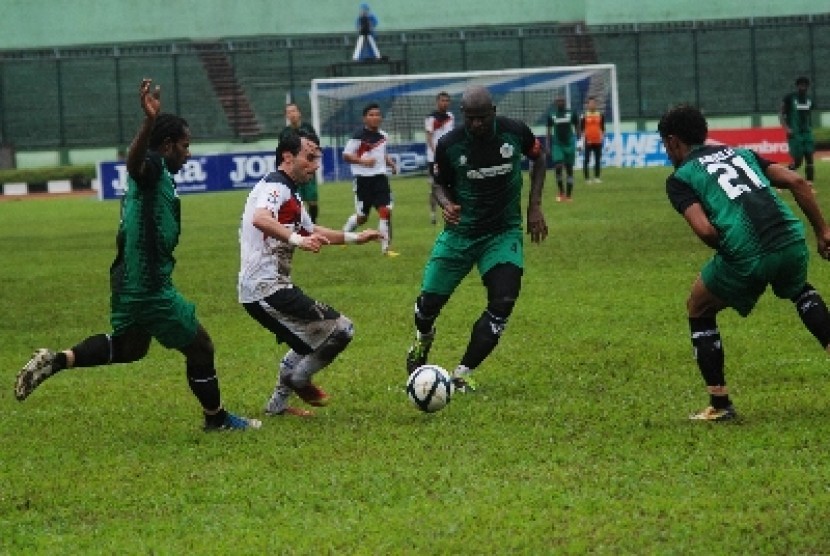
(725, 196)
(308, 191)
(144, 302)
(563, 133)
(796, 117)
(478, 184)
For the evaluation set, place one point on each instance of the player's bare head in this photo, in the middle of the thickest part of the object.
(170, 137)
(298, 154)
(372, 116)
(560, 102)
(479, 110)
(592, 103)
(292, 113)
(680, 128)
(442, 100)
(802, 83)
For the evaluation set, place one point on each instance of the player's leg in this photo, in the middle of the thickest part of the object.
(586, 163)
(358, 48)
(796, 153)
(702, 307)
(361, 207)
(597, 148)
(570, 160)
(446, 267)
(129, 345)
(503, 283)
(558, 158)
(809, 167)
(382, 200)
(433, 204)
(172, 321)
(316, 334)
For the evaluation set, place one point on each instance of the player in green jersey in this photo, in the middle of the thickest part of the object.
(725, 195)
(144, 302)
(562, 134)
(478, 185)
(308, 191)
(795, 117)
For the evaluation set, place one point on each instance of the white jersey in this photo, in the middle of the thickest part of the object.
(266, 261)
(367, 143)
(439, 124)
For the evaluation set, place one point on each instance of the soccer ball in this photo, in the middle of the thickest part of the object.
(430, 388)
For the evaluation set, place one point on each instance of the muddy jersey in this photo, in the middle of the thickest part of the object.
(266, 261)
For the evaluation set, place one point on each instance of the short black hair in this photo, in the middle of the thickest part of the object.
(685, 122)
(291, 142)
(803, 79)
(370, 106)
(442, 94)
(167, 125)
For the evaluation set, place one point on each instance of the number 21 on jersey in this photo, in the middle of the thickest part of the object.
(735, 176)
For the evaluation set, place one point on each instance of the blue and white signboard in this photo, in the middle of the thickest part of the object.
(225, 172)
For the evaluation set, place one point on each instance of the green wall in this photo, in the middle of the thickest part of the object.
(38, 23)
(45, 23)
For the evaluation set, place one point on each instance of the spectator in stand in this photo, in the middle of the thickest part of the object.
(366, 48)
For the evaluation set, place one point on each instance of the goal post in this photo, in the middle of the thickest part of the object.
(525, 94)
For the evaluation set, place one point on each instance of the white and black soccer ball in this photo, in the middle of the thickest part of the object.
(430, 388)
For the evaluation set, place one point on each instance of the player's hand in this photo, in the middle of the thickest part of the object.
(367, 162)
(452, 213)
(536, 225)
(368, 235)
(150, 98)
(313, 243)
(824, 245)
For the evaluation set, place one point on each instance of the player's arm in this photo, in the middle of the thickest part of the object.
(782, 115)
(339, 237)
(684, 201)
(151, 104)
(805, 197)
(390, 162)
(440, 185)
(264, 221)
(536, 225)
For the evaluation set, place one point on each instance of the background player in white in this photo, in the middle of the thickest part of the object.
(273, 226)
(366, 152)
(436, 125)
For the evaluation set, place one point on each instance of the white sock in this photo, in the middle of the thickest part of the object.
(386, 229)
(461, 371)
(350, 224)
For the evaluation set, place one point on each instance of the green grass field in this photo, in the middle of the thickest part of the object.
(578, 440)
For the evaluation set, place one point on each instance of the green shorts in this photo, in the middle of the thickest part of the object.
(801, 144)
(308, 191)
(740, 284)
(166, 316)
(453, 256)
(563, 153)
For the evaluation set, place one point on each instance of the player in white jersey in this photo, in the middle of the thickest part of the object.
(273, 226)
(366, 152)
(437, 124)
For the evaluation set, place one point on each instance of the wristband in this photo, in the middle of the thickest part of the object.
(349, 237)
(295, 239)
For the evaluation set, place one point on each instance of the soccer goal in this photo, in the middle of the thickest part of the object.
(526, 94)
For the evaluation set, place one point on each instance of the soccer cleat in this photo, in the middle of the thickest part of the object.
(38, 369)
(417, 354)
(597, 180)
(712, 414)
(560, 198)
(278, 405)
(312, 395)
(390, 253)
(233, 423)
(464, 385)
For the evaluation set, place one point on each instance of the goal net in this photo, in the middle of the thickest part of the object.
(526, 94)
